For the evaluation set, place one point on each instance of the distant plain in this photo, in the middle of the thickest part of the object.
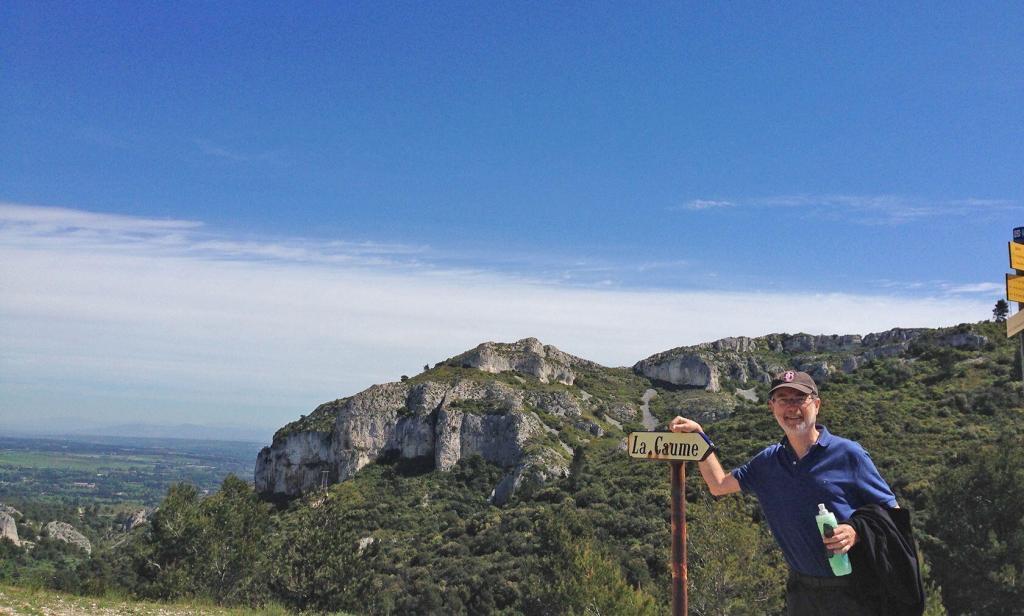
(111, 470)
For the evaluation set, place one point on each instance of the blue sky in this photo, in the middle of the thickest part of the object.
(229, 213)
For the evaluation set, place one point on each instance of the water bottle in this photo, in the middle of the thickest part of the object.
(826, 520)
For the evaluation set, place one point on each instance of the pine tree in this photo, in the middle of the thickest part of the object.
(1000, 311)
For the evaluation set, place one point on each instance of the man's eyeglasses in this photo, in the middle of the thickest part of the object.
(793, 401)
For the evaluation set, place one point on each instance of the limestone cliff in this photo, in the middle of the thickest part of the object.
(443, 420)
(748, 360)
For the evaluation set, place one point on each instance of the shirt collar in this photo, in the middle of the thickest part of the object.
(824, 439)
(824, 436)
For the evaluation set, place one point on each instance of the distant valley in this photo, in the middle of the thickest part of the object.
(115, 469)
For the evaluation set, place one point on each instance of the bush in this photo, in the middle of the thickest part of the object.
(976, 531)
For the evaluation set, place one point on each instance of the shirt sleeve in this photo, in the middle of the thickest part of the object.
(748, 474)
(874, 489)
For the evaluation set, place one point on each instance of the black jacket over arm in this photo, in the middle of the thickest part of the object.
(885, 559)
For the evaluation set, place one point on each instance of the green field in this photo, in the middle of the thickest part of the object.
(73, 462)
(115, 470)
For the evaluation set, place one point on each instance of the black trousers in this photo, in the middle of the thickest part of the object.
(834, 596)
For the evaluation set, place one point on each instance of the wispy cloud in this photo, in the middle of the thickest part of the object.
(90, 231)
(219, 151)
(944, 287)
(165, 320)
(868, 209)
(706, 204)
(985, 288)
(35, 220)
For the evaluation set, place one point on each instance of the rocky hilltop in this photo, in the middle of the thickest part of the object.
(443, 416)
(524, 406)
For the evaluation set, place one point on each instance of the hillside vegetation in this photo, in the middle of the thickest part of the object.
(944, 424)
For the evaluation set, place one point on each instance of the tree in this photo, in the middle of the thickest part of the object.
(578, 577)
(735, 567)
(1000, 311)
(974, 536)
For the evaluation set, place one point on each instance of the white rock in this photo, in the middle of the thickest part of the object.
(62, 531)
(9, 528)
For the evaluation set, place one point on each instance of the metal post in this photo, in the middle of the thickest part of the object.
(679, 598)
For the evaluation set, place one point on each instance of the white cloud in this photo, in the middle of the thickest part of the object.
(980, 287)
(178, 325)
(706, 204)
(944, 287)
(870, 209)
(34, 220)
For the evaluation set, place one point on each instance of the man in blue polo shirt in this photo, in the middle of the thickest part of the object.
(790, 478)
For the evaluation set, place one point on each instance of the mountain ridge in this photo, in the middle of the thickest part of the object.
(526, 406)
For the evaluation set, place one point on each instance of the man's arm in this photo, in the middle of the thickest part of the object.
(719, 481)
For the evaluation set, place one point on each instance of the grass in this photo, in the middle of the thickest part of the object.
(37, 602)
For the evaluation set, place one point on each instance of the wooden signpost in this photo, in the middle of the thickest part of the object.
(676, 448)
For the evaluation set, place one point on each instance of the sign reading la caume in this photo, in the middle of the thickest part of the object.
(667, 446)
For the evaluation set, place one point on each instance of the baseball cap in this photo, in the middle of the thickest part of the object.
(800, 381)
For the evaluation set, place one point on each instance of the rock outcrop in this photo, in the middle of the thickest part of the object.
(443, 422)
(704, 365)
(748, 360)
(295, 464)
(527, 356)
(134, 520)
(62, 531)
(9, 528)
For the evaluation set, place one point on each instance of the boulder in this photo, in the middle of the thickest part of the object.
(9, 528)
(589, 427)
(62, 531)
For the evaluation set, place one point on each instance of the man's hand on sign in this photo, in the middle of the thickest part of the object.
(682, 424)
(843, 538)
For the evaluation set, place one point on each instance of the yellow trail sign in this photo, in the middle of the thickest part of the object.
(1015, 288)
(668, 446)
(1016, 256)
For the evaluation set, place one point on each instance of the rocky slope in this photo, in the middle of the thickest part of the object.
(439, 417)
(523, 406)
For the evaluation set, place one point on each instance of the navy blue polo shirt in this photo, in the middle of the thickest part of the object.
(836, 471)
